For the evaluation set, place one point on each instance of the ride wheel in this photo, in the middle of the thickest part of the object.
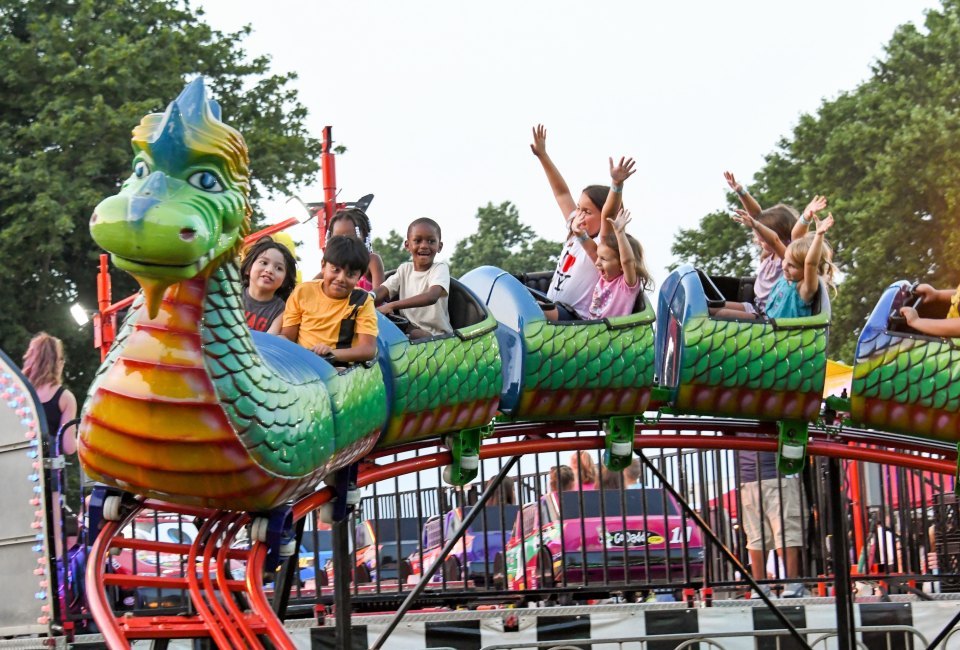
(545, 576)
(404, 571)
(499, 577)
(451, 570)
(361, 574)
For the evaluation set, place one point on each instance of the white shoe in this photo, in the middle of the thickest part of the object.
(766, 592)
(794, 590)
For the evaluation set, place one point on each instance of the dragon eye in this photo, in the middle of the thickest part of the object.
(141, 169)
(206, 181)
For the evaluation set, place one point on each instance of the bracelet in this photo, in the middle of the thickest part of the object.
(582, 237)
(617, 189)
(804, 220)
(741, 191)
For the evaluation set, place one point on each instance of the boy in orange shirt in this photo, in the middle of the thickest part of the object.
(318, 311)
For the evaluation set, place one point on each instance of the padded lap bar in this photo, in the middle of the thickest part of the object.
(294, 363)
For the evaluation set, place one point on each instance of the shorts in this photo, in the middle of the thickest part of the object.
(776, 530)
(753, 310)
(566, 313)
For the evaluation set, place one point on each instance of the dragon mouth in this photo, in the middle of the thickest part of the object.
(153, 269)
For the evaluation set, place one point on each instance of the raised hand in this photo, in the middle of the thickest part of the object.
(620, 223)
(622, 171)
(732, 182)
(577, 224)
(539, 145)
(823, 225)
(743, 217)
(816, 204)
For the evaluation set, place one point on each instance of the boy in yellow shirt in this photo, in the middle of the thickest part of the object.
(329, 316)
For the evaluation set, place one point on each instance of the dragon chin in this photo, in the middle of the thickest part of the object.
(155, 279)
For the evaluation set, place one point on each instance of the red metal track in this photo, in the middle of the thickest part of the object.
(221, 618)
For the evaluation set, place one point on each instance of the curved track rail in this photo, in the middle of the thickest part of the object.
(219, 615)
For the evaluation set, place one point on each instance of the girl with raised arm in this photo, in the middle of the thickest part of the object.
(571, 287)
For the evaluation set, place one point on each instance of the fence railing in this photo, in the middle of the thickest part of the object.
(626, 541)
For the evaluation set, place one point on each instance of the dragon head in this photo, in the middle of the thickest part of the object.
(185, 207)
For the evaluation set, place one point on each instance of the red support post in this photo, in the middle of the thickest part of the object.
(856, 503)
(269, 230)
(328, 166)
(105, 320)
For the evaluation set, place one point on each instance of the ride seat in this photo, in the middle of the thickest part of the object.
(539, 281)
(722, 288)
(464, 309)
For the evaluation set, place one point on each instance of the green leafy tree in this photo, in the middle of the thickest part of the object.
(391, 250)
(719, 246)
(886, 155)
(78, 76)
(501, 240)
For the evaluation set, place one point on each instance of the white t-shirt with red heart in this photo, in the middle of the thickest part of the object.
(575, 278)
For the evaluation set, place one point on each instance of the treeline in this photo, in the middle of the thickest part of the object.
(887, 155)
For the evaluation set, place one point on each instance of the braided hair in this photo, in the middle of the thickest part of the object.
(361, 225)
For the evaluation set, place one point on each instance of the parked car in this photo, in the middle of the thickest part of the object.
(316, 549)
(592, 536)
(472, 558)
(382, 547)
(157, 528)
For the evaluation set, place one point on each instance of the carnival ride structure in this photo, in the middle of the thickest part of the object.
(191, 411)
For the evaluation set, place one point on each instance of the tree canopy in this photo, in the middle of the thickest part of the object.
(886, 155)
(502, 240)
(391, 250)
(77, 77)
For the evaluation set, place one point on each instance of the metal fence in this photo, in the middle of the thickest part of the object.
(630, 543)
(620, 543)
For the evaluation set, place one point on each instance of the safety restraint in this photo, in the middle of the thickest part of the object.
(349, 324)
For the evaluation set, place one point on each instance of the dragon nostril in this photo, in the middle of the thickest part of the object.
(188, 234)
(93, 219)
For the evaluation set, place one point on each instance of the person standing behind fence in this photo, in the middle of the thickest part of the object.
(584, 470)
(631, 475)
(771, 517)
(562, 479)
(504, 494)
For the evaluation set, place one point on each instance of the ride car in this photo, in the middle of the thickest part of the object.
(609, 536)
(382, 547)
(472, 558)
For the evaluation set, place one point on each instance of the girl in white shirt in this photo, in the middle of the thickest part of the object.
(576, 276)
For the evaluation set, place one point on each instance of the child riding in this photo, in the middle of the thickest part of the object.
(421, 286)
(354, 222)
(805, 261)
(330, 317)
(571, 287)
(268, 274)
(623, 274)
(773, 230)
(947, 327)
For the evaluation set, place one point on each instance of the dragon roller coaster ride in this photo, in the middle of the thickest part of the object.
(191, 412)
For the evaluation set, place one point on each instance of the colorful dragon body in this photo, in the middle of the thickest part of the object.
(743, 368)
(190, 407)
(904, 381)
(184, 408)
